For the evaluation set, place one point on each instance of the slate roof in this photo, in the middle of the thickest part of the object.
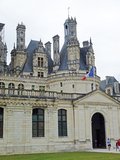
(64, 58)
(1, 26)
(83, 52)
(109, 81)
(29, 63)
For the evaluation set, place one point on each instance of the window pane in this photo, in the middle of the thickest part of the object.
(40, 118)
(34, 133)
(41, 133)
(34, 117)
(34, 125)
(40, 125)
(1, 117)
(40, 111)
(64, 118)
(63, 112)
(59, 118)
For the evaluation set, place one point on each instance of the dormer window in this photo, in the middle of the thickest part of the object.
(40, 62)
(41, 74)
(108, 92)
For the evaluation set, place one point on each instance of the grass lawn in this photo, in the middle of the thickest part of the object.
(64, 156)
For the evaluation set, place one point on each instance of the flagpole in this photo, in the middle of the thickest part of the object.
(94, 80)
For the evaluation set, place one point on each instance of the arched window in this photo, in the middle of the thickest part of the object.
(1, 122)
(62, 122)
(20, 89)
(11, 88)
(38, 122)
(2, 87)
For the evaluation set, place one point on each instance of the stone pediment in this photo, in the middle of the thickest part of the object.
(97, 97)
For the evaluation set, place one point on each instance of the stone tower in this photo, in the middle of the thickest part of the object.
(70, 28)
(18, 55)
(3, 51)
(90, 58)
(73, 49)
(20, 37)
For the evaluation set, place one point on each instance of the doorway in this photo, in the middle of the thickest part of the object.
(98, 131)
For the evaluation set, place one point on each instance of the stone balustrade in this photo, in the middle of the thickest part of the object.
(5, 92)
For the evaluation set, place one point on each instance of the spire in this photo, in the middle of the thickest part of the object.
(14, 46)
(20, 39)
(40, 46)
(91, 46)
(68, 11)
(90, 41)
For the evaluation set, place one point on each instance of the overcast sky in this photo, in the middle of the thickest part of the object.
(98, 19)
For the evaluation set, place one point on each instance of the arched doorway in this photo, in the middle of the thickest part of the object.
(98, 131)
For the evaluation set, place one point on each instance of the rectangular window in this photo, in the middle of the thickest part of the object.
(41, 88)
(62, 122)
(33, 87)
(41, 74)
(1, 122)
(38, 123)
(40, 62)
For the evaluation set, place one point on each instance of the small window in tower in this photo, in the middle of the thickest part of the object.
(66, 27)
(41, 74)
(73, 86)
(61, 84)
(21, 46)
(33, 87)
(42, 88)
(21, 39)
(72, 33)
(31, 74)
(40, 62)
(38, 74)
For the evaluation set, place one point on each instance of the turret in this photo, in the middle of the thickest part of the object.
(3, 50)
(20, 37)
(18, 54)
(70, 28)
(90, 58)
(73, 49)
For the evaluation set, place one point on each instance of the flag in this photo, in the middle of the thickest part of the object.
(91, 73)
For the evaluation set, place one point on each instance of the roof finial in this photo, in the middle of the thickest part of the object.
(90, 41)
(68, 11)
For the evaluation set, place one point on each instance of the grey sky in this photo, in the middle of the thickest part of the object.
(98, 19)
